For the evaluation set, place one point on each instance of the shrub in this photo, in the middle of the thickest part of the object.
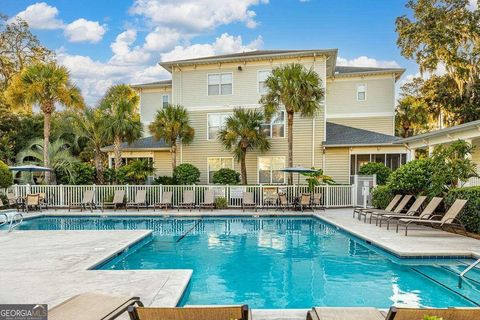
(381, 196)
(414, 177)
(6, 176)
(221, 203)
(226, 176)
(186, 173)
(470, 215)
(136, 172)
(381, 170)
(109, 175)
(165, 180)
(81, 173)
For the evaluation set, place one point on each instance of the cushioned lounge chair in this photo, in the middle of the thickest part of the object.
(389, 207)
(191, 313)
(140, 201)
(445, 314)
(376, 213)
(412, 213)
(248, 201)
(448, 220)
(92, 306)
(117, 202)
(166, 201)
(188, 201)
(87, 202)
(208, 200)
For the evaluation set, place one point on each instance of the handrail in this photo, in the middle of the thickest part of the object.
(16, 220)
(462, 275)
(6, 219)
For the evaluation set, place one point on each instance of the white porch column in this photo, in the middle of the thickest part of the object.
(412, 154)
(430, 150)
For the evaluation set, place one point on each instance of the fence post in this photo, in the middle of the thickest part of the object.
(62, 195)
(15, 190)
(354, 198)
(127, 192)
(94, 189)
(327, 193)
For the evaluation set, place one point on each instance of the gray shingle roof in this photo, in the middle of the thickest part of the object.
(143, 143)
(339, 135)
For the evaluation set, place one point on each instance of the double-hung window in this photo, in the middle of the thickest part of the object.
(276, 127)
(361, 92)
(269, 169)
(220, 84)
(214, 123)
(262, 77)
(215, 164)
(164, 100)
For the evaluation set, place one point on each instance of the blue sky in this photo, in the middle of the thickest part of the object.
(104, 42)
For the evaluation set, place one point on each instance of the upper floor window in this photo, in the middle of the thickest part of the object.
(276, 127)
(215, 122)
(165, 100)
(220, 84)
(361, 92)
(262, 77)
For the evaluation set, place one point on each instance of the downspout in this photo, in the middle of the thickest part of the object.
(313, 123)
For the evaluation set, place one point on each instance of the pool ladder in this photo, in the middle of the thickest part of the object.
(462, 275)
(13, 222)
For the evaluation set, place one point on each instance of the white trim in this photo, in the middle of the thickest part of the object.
(258, 80)
(220, 84)
(366, 90)
(208, 168)
(228, 113)
(258, 169)
(359, 115)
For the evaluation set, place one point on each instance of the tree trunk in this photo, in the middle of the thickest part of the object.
(173, 151)
(243, 167)
(99, 166)
(290, 145)
(118, 153)
(46, 143)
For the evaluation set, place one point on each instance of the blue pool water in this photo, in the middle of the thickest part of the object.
(281, 263)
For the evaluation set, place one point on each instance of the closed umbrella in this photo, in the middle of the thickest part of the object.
(298, 170)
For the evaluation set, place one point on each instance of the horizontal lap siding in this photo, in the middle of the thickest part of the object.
(376, 124)
(338, 164)
(163, 163)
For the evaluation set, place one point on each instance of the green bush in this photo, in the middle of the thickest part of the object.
(470, 215)
(109, 175)
(165, 180)
(6, 176)
(381, 196)
(226, 176)
(381, 170)
(136, 172)
(221, 203)
(81, 173)
(414, 177)
(186, 173)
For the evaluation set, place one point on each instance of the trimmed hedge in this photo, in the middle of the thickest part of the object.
(470, 215)
(381, 196)
(186, 173)
(226, 176)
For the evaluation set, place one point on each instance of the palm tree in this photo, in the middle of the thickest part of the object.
(411, 117)
(45, 84)
(61, 158)
(243, 132)
(90, 124)
(172, 125)
(120, 109)
(299, 90)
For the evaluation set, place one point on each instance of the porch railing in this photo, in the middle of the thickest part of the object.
(63, 195)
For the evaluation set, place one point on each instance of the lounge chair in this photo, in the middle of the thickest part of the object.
(449, 219)
(389, 207)
(317, 201)
(248, 201)
(283, 202)
(117, 202)
(87, 201)
(345, 313)
(32, 201)
(44, 201)
(305, 201)
(414, 211)
(92, 306)
(208, 200)
(12, 200)
(166, 201)
(140, 200)
(446, 314)
(191, 313)
(188, 201)
(376, 213)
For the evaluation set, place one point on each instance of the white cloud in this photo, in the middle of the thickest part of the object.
(161, 39)
(82, 30)
(41, 16)
(123, 54)
(364, 61)
(194, 16)
(473, 4)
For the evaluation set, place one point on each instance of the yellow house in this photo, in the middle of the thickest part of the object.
(354, 125)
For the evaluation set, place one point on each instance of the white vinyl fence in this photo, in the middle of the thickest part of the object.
(63, 195)
(472, 182)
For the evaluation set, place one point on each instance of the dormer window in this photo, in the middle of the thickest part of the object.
(220, 84)
(361, 92)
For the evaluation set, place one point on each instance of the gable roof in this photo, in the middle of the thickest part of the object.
(340, 136)
(147, 143)
(445, 131)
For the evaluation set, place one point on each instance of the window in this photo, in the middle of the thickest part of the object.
(262, 77)
(276, 127)
(215, 122)
(126, 161)
(215, 164)
(391, 160)
(269, 170)
(361, 92)
(165, 100)
(220, 84)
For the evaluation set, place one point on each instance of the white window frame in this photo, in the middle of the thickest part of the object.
(366, 89)
(226, 114)
(208, 166)
(220, 84)
(168, 100)
(258, 170)
(284, 126)
(258, 79)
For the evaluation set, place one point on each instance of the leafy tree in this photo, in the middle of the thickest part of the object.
(299, 90)
(6, 176)
(120, 109)
(226, 176)
(186, 173)
(414, 178)
(411, 117)
(81, 174)
(381, 170)
(317, 178)
(243, 132)
(136, 172)
(45, 85)
(172, 125)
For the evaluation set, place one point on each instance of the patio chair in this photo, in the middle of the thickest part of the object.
(447, 314)
(283, 202)
(389, 207)
(270, 197)
(376, 213)
(44, 202)
(449, 219)
(317, 201)
(87, 201)
(248, 201)
(92, 306)
(345, 313)
(414, 211)
(188, 201)
(208, 200)
(140, 200)
(12, 200)
(166, 201)
(191, 313)
(305, 201)
(32, 201)
(117, 202)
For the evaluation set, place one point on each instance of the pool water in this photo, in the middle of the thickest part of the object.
(281, 263)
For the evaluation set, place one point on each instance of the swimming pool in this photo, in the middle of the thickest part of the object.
(294, 262)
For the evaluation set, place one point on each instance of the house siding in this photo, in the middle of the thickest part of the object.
(338, 164)
(476, 154)
(377, 124)
(162, 162)
(151, 102)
